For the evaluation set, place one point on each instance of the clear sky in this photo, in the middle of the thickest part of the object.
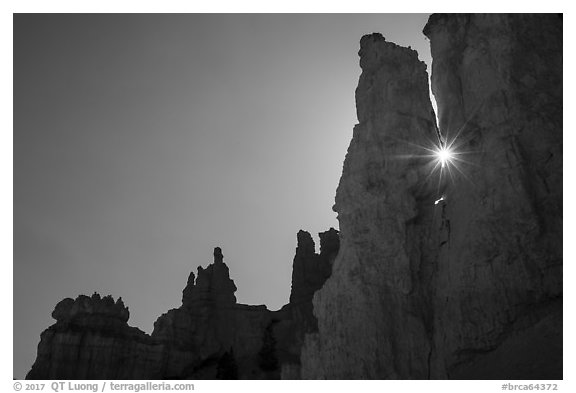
(141, 142)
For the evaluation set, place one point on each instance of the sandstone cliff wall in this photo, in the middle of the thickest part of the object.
(470, 287)
(373, 303)
(499, 80)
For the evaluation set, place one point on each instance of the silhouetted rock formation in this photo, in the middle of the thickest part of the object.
(470, 287)
(464, 286)
(209, 336)
(210, 325)
(91, 340)
(368, 309)
(309, 272)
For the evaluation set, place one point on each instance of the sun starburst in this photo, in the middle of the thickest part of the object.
(444, 155)
(444, 159)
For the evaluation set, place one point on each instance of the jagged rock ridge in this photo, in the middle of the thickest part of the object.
(210, 336)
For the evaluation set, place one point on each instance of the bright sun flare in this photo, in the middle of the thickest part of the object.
(444, 155)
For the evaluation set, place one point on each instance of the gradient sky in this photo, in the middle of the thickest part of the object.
(141, 142)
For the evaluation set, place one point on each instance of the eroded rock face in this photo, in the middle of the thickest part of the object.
(368, 308)
(309, 272)
(84, 310)
(499, 82)
(92, 340)
(470, 287)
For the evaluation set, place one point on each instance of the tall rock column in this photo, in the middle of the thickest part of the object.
(469, 287)
(371, 319)
(309, 273)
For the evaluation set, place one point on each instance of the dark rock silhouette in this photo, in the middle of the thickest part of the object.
(91, 340)
(470, 287)
(372, 311)
(458, 277)
(210, 336)
(209, 325)
(309, 272)
(498, 305)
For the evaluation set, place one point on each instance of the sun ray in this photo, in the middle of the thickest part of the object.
(444, 157)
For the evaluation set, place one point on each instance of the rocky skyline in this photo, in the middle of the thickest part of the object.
(143, 141)
(210, 336)
(448, 264)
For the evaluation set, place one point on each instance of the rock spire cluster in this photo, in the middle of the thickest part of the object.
(210, 336)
